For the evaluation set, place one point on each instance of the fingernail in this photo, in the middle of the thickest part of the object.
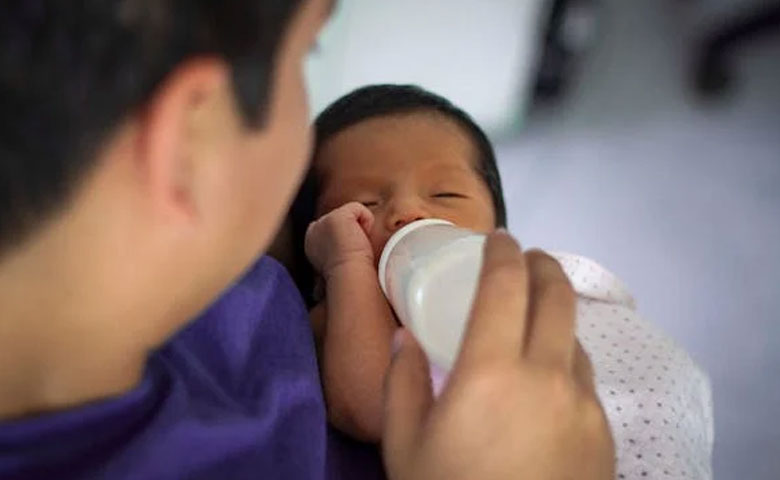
(398, 339)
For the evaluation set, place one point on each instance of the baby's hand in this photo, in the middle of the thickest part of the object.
(339, 238)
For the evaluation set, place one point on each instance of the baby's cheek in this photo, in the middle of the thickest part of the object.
(478, 220)
(378, 240)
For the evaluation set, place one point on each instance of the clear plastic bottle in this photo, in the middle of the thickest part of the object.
(429, 272)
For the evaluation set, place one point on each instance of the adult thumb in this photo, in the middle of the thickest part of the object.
(408, 398)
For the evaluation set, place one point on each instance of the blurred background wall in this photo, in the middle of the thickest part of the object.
(618, 141)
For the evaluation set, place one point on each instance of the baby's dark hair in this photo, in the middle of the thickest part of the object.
(378, 101)
(383, 100)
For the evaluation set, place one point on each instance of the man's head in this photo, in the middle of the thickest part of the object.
(154, 141)
(406, 154)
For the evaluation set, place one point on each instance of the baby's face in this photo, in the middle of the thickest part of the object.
(405, 168)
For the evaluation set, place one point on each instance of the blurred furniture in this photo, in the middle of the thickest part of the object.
(569, 33)
(713, 73)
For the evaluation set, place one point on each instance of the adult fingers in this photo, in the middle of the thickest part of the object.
(550, 338)
(497, 324)
(583, 369)
(408, 398)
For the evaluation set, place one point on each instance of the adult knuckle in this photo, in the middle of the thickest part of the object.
(540, 260)
(561, 394)
(562, 386)
(536, 255)
(592, 414)
(504, 273)
(488, 383)
(558, 290)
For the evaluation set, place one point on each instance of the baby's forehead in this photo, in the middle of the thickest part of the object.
(422, 142)
(431, 172)
(372, 176)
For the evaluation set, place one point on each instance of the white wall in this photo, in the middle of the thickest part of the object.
(476, 53)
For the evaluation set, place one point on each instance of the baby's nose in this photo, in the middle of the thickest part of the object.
(402, 222)
(401, 218)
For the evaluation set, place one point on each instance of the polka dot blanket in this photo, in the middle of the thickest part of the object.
(657, 400)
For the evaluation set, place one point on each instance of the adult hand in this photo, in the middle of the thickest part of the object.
(520, 401)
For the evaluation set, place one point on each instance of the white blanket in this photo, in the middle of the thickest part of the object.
(657, 400)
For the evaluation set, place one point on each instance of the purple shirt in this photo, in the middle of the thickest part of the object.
(236, 394)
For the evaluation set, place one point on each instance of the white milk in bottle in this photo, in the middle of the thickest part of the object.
(429, 272)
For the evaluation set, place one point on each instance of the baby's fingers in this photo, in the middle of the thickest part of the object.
(311, 245)
(361, 213)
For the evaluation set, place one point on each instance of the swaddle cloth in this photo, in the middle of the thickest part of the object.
(657, 400)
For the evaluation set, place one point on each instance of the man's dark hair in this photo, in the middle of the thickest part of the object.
(71, 71)
(378, 101)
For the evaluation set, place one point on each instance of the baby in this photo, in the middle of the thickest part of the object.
(389, 155)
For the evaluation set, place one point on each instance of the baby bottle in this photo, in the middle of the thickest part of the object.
(429, 271)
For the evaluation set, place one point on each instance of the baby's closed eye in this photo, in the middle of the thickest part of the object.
(448, 195)
(369, 203)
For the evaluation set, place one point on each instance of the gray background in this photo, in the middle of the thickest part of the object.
(680, 199)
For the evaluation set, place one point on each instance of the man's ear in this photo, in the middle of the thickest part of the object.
(173, 134)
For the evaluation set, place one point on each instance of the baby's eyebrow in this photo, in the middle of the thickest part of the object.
(455, 172)
(331, 200)
(351, 183)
